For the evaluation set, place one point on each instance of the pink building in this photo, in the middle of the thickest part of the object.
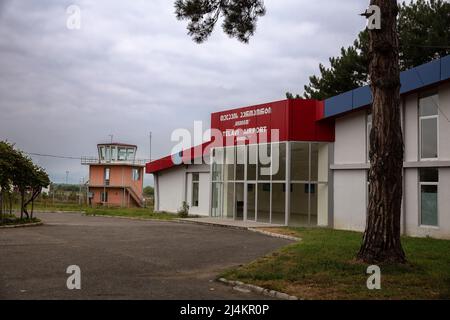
(115, 177)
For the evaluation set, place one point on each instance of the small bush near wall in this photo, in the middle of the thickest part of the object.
(183, 212)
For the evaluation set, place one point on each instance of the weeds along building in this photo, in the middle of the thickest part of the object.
(305, 162)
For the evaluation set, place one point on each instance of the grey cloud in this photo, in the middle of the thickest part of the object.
(132, 68)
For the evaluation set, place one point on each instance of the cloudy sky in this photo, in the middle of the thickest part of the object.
(131, 69)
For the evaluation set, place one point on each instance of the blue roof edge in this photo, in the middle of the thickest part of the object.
(412, 79)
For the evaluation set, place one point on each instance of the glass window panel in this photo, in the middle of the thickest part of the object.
(314, 161)
(278, 203)
(299, 205)
(263, 199)
(279, 161)
(239, 200)
(113, 153)
(252, 158)
(429, 138)
(130, 154)
(102, 153)
(216, 203)
(217, 164)
(240, 163)
(122, 154)
(136, 174)
(195, 191)
(429, 175)
(251, 201)
(313, 200)
(429, 205)
(229, 163)
(429, 105)
(107, 174)
(108, 153)
(300, 161)
(195, 177)
(228, 204)
(264, 155)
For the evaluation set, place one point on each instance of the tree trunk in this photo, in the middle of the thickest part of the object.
(381, 240)
(22, 198)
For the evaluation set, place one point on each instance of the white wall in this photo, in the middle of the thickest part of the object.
(171, 189)
(350, 199)
(350, 144)
(349, 186)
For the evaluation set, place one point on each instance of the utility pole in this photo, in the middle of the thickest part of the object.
(111, 136)
(150, 149)
(67, 177)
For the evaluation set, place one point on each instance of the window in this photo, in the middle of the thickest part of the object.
(310, 188)
(104, 196)
(113, 153)
(368, 130)
(107, 175)
(195, 189)
(108, 153)
(102, 153)
(428, 126)
(122, 154)
(135, 174)
(429, 181)
(130, 154)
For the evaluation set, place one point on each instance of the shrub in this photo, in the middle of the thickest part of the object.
(183, 212)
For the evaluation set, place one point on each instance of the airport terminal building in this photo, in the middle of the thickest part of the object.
(304, 162)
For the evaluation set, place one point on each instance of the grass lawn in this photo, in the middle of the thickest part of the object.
(322, 266)
(108, 211)
(131, 212)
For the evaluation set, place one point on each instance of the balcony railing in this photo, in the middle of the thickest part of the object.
(135, 162)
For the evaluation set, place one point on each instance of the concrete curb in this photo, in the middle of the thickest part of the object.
(23, 225)
(212, 224)
(275, 235)
(267, 233)
(240, 286)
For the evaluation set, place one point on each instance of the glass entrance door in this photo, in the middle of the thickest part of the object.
(250, 201)
(239, 213)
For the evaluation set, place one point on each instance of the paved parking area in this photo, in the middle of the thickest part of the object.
(124, 259)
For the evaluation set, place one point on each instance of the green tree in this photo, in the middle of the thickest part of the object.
(149, 191)
(6, 163)
(18, 170)
(38, 179)
(239, 17)
(424, 34)
(424, 31)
